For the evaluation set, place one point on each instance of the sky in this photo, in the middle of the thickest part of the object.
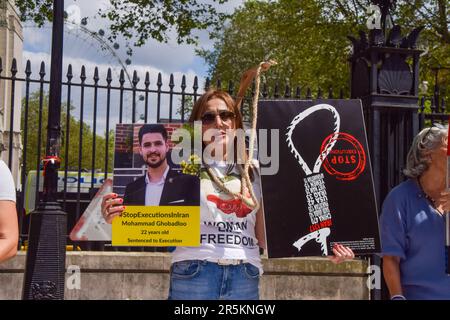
(81, 48)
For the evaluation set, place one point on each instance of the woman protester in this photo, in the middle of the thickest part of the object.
(413, 222)
(227, 264)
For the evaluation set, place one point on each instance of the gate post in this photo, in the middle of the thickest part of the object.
(385, 76)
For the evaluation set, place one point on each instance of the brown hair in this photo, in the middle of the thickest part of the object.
(200, 106)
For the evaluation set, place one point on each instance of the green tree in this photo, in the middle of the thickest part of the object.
(32, 144)
(309, 48)
(308, 38)
(139, 21)
(187, 108)
(434, 15)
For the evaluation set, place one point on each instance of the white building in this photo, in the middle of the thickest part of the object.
(11, 45)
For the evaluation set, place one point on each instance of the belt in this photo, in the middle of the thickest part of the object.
(227, 262)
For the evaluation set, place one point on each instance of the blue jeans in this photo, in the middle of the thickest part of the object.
(204, 280)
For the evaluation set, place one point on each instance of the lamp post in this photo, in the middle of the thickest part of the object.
(46, 255)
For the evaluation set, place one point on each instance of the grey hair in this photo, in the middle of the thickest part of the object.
(418, 158)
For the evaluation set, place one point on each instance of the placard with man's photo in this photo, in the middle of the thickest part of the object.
(144, 171)
(155, 176)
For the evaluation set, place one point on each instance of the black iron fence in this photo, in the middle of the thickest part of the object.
(93, 106)
(433, 110)
(93, 103)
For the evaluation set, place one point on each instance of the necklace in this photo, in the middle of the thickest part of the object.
(429, 199)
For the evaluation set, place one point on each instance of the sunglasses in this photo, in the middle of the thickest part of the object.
(210, 117)
(433, 126)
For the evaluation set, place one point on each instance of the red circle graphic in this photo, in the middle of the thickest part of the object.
(352, 175)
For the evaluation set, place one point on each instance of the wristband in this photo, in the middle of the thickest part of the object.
(398, 297)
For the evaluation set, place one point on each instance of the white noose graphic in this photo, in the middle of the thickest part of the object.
(328, 147)
(319, 235)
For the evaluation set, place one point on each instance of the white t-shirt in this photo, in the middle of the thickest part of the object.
(7, 189)
(227, 226)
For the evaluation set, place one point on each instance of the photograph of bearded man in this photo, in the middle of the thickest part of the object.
(161, 185)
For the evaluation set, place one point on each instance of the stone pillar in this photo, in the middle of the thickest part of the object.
(11, 45)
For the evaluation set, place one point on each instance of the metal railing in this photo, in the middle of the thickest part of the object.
(91, 106)
(432, 109)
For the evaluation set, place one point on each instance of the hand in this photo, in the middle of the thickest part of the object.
(444, 201)
(341, 253)
(111, 207)
(267, 64)
(249, 75)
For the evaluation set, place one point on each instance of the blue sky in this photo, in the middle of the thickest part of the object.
(80, 48)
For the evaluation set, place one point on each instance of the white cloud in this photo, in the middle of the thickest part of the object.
(171, 57)
(82, 49)
(37, 57)
(36, 38)
(168, 57)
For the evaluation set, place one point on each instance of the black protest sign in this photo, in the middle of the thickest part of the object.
(322, 193)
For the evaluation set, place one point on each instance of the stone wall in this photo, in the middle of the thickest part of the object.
(142, 275)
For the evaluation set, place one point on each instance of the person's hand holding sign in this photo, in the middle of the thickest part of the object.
(112, 206)
(341, 254)
(443, 202)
